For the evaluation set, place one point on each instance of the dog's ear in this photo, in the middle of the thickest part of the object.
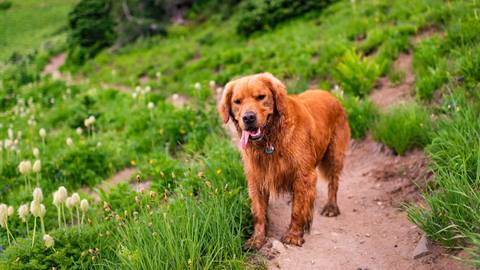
(278, 89)
(224, 106)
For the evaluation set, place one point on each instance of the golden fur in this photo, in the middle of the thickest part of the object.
(308, 131)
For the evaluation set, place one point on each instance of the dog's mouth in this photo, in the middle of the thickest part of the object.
(250, 135)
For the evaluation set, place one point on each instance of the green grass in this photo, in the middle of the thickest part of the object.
(404, 127)
(451, 215)
(27, 25)
(362, 115)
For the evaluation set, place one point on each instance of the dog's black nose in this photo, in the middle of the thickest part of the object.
(249, 118)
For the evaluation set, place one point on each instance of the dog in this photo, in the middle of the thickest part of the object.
(284, 140)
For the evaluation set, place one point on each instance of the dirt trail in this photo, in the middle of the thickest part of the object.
(57, 61)
(370, 233)
(385, 94)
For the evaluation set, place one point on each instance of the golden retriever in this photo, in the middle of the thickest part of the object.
(284, 139)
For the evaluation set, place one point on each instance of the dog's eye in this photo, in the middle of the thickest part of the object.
(260, 97)
(237, 101)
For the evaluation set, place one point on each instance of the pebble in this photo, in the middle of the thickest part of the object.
(278, 246)
(423, 248)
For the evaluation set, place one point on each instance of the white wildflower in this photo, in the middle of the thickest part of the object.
(10, 210)
(35, 209)
(212, 84)
(151, 106)
(198, 86)
(3, 215)
(76, 199)
(37, 195)
(84, 205)
(69, 141)
(42, 133)
(25, 167)
(37, 166)
(62, 193)
(79, 131)
(36, 152)
(49, 241)
(69, 203)
(42, 211)
(23, 212)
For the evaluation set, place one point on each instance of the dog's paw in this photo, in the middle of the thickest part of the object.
(293, 239)
(330, 210)
(254, 243)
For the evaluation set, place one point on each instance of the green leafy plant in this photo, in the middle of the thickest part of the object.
(429, 67)
(356, 75)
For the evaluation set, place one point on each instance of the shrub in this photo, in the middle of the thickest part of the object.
(91, 29)
(84, 164)
(258, 15)
(74, 249)
(361, 115)
(452, 215)
(4, 5)
(404, 127)
(356, 75)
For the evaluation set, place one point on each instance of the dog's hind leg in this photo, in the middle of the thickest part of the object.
(332, 165)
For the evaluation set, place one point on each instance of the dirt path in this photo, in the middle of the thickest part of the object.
(371, 232)
(385, 94)
(57, 61)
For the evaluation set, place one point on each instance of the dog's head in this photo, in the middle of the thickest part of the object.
(251, 102)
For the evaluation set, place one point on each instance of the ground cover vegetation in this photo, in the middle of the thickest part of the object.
(195, 215)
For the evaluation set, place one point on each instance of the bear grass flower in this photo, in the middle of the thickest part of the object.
(36, 152)
(151, 105)
(4, 214)
(49, 241)
(25, 167)
(76, 203)
(84, 205)
(38, 210)
(69, 141)
(59, 198)
(43, 134)
(23, 213)
(198, 86)
(89, 122)
(37, 195)
(37, 167)
(212, 84)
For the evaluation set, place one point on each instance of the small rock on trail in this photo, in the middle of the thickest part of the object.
(423, 248)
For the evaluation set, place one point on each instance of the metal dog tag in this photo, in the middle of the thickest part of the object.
(269, 150)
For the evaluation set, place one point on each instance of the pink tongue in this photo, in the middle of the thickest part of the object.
(244, 139)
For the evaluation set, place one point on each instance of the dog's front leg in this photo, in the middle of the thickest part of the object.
(259, 204)
(303, 197)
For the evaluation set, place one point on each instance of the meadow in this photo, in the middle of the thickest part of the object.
(195, 215)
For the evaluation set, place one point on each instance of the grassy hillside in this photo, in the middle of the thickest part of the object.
(29, 24)
(196, 215)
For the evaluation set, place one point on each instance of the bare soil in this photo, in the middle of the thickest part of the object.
(385, 94)
(123, 176)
